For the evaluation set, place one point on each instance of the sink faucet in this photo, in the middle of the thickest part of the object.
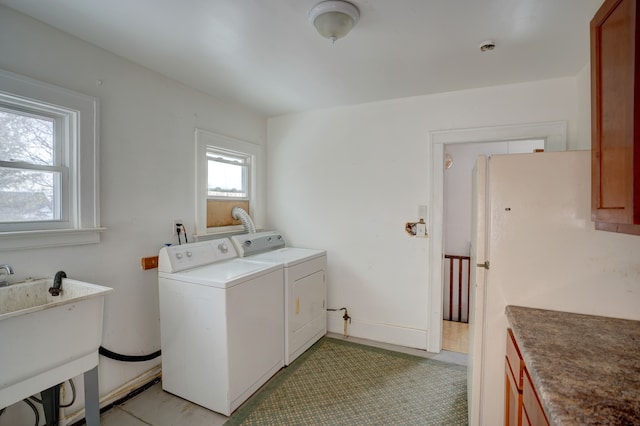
(8, 271)
(57, 283)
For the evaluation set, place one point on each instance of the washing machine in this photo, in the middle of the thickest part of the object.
(305, 287)
(221, 323)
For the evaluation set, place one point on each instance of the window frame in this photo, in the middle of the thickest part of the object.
(205, 139)
(62, 119)
(247, 165)
(76, 116)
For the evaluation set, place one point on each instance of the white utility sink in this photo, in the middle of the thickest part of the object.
(45, 339)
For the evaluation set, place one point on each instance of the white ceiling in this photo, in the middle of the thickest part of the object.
(265, 54)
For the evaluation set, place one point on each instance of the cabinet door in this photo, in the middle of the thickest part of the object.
(514, 367)
(512, 399)
(615, 103)
(514, 359)
(533, 411)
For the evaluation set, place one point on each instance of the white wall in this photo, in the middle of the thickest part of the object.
(584, 107)
(347, 179)
(147, 172)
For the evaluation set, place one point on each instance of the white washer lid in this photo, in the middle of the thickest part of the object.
(223, 274)
(288, 256)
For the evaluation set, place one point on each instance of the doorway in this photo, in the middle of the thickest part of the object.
(459, 160)
(554, 136)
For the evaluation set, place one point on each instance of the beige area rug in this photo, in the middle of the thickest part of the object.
(341, 383)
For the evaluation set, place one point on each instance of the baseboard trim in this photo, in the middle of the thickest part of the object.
(386, 333)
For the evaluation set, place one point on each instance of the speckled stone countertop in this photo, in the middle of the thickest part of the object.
(586, 369)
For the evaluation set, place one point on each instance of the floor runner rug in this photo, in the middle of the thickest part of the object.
(337, 382)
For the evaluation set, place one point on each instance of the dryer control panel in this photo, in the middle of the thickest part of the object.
(257, 242)
(187, 256)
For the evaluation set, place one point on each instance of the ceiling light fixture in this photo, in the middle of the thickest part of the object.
(334, 19)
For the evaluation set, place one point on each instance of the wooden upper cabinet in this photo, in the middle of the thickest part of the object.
(615, 117)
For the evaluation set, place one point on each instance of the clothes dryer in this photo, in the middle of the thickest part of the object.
(305, 287)
(221, 323)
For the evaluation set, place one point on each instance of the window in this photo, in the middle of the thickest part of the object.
(33, 175)
(48, 165)
(227, 175)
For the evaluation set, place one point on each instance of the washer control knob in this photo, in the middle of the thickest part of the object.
(247, 243)
(223, 247)
(189, 254)
(269, 239)
(179, 255)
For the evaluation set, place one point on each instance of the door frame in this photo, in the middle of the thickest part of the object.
(555, 135)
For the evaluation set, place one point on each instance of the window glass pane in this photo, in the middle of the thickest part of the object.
(226, 157)
(27, 138)
(226, 180)
(28, 195)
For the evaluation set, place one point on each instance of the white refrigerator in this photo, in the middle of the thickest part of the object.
(534, 245)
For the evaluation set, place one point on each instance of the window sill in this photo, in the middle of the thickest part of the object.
(20, 240)
(223, 233)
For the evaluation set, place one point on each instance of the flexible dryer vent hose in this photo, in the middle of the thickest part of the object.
(240, 214)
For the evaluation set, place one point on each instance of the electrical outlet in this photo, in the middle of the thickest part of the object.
(175, 225)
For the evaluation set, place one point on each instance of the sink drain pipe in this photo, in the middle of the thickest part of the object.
(51, 397)
(51, 405)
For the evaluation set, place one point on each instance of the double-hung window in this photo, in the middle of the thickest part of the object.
(34, 173)
(228, 174)
(48, 165)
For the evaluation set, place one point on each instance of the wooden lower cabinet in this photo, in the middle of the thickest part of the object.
(514, 367)
(522, 405)
(512, 399)
(533, 413)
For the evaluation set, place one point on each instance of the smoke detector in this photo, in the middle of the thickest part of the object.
(487, 46)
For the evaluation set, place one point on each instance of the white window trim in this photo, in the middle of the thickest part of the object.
(206, 138)
(85, 227)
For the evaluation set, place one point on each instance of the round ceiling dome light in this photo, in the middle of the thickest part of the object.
(334, 19)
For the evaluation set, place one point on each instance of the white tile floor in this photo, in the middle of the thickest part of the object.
(158, 408)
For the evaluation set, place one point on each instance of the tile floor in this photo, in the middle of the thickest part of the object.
(158, 408)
